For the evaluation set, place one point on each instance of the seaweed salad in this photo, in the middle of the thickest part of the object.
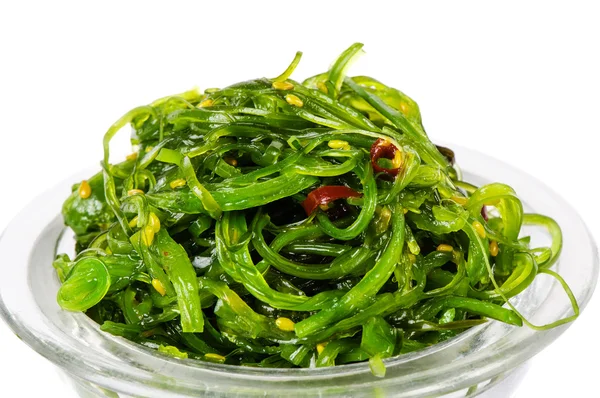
(277, 223)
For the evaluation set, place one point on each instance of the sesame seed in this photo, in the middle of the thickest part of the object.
(285, 324)
(159, 287)
(85, 190)
(461, 200)
(322, 87)
(133, 222)
(132, 192)
(148, 235)
(215, 357)
(177, 183)
(206, 103)
(404, 108)
(397, 161)
(444, 248)
(479, 229)
(494, 249)
(321, 347)
(154, 222)
(283, 86)
(294, 100)
(230, 161)
(338, 144)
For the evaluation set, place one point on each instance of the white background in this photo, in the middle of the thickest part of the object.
(517, 80)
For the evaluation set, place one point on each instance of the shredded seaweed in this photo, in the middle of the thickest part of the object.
(275, 223)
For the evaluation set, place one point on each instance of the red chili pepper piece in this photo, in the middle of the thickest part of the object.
(484, 213)
(326, 194)
(383, 149)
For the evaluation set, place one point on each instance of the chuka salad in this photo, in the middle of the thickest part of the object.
(277, 223)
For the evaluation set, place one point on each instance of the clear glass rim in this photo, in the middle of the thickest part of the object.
(145, 368)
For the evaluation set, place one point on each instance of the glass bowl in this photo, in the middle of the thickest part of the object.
(484, 359)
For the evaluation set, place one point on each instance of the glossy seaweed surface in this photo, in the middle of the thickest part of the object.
(275, 223)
